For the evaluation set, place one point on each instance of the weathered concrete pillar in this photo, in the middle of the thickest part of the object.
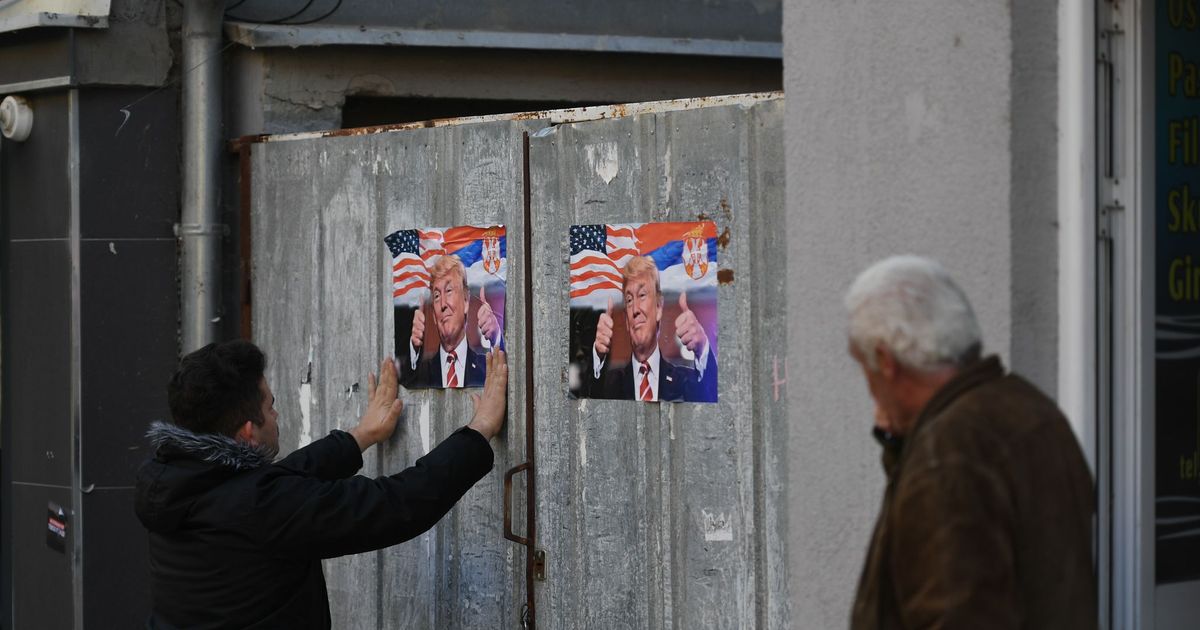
(921, 127)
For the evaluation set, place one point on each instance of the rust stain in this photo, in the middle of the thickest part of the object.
(703, 217)
(725, 206)
(725, 276)
(235, 145)
(531, 115)
(723, 240)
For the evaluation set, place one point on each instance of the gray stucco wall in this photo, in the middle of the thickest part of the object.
(923, 127)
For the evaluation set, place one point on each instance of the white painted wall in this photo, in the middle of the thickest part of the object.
(924, 127)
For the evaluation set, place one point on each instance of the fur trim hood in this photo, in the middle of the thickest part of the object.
(187, 466)
(213, 448)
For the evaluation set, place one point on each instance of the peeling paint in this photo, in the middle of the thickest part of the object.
(582, 449)
(602, 158)
(306, 402)
(381, 164)
(423, 422)
(666, 182)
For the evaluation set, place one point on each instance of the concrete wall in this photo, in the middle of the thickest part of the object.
(711, 19)
(924, 127)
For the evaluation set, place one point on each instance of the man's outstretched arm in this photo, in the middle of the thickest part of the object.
(329, 519)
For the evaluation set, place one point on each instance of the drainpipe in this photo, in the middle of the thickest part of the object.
(198, 230)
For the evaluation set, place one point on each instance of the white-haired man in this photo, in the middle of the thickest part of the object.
(987, 517)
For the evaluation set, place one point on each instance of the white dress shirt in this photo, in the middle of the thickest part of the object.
(700, 363)
(460, 362)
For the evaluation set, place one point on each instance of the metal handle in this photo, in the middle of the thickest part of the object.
(508, 477)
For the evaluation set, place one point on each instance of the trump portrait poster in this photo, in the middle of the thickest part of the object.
(448, 290)
(644, 311)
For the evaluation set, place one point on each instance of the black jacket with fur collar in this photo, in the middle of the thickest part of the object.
(236, 540)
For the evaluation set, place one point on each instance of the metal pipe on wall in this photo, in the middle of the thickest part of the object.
(198, 228)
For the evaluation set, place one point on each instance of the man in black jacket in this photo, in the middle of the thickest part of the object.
(236, 540)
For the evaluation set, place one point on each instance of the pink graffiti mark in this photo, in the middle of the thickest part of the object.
(777, 382)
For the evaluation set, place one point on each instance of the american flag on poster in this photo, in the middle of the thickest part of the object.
(599, 252)
(482, 250)
(413, 251)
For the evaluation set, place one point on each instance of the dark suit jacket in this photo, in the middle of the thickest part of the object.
(675, 382)
(429, 371)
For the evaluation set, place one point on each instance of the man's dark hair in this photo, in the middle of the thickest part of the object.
(215, 389)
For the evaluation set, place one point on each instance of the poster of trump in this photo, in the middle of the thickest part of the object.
(448, 290)
(644, 312)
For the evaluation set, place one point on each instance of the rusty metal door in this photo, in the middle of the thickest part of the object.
(652, 516)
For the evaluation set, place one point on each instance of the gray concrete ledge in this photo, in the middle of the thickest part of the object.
(276, 36)
(31, 20)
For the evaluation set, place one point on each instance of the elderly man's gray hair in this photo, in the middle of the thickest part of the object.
(912, 307)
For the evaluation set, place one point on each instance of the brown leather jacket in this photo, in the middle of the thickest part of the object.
(987, 517)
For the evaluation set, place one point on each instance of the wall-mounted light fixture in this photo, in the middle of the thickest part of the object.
(16, 118)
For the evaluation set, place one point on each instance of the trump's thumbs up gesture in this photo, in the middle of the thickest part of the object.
(417, 335)
(489, 326)
(604, 331)
(688, 328)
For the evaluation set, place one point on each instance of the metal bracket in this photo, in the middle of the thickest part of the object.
(1104, 220)
(539, 565)
(199, 229)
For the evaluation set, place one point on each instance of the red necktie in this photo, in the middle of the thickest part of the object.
(644, 391)
(451, 377)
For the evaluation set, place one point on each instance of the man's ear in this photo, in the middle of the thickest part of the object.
(245, 433)
(888, 367)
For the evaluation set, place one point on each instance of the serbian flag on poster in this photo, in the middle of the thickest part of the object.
(685, 254)
(482, 250)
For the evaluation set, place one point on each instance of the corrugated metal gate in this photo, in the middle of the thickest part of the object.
(650, 516)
